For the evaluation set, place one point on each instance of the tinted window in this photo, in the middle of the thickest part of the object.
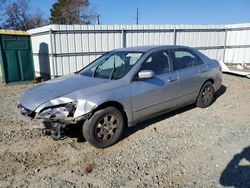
(159, 62)
(185, 58)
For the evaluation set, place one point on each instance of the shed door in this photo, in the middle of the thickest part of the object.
(17, 59)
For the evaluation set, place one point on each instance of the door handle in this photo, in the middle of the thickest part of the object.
(200, 71)
(172, 79)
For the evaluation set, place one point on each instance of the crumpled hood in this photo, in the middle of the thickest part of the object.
(44, 92)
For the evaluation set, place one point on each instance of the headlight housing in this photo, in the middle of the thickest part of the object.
(58, 112)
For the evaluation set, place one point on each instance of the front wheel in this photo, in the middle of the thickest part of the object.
(206, 95)
(104, 128)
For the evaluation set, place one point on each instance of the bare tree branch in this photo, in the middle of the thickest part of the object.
(19, 16)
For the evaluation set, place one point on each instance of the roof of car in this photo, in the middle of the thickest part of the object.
(150, 47)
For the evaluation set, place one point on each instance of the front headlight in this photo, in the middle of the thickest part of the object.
(59, 112)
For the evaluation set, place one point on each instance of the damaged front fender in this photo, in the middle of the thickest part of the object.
(84, 107)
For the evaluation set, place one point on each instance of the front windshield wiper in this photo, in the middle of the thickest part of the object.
(113, 70)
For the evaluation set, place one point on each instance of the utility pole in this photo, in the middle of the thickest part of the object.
(98, 19)
(137, 16)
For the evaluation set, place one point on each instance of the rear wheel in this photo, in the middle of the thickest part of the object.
(206, 95)
(104, 128)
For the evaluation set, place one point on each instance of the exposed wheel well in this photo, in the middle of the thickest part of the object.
(115, 104)
(209, 80)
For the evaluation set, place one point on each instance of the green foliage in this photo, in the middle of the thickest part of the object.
(71, 12)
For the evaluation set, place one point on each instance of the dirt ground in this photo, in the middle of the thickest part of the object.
(190, 147)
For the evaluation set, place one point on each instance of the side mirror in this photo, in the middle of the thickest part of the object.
(146, 74)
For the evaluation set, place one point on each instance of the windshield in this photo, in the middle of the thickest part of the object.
(113, 65)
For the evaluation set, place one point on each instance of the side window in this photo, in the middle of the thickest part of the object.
(184, 59)
(159, 62)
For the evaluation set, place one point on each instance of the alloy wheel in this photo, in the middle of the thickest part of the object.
(207, 95)
(106, 127)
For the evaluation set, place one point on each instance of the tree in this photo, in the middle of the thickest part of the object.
(19, 16)
(2, 6)
(72, 12)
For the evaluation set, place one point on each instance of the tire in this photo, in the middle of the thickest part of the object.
(104, 128)
(206, 95)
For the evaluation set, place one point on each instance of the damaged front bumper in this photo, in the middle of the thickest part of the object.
(64, 110)
(29, 117)
(51, 123)
(38, 119)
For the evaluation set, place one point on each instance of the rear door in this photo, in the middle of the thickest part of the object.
(191, 74)
(158, 93)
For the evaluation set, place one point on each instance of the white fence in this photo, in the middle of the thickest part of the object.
(63, 49)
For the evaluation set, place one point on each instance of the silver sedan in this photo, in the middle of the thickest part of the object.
(121, 88)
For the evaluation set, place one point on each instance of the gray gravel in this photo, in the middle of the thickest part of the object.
(190, 147)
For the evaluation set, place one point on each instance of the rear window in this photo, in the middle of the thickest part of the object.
(185, 58)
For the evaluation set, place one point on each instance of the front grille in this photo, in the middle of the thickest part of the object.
(26, 112)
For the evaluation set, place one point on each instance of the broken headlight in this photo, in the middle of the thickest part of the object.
(58, 112)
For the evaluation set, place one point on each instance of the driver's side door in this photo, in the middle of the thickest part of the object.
(158, 93)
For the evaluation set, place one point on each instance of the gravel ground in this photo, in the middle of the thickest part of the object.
(190, 147)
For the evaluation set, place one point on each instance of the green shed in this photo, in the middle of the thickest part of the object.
(16, 59)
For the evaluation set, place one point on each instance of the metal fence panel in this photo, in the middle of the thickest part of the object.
(67, 48)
